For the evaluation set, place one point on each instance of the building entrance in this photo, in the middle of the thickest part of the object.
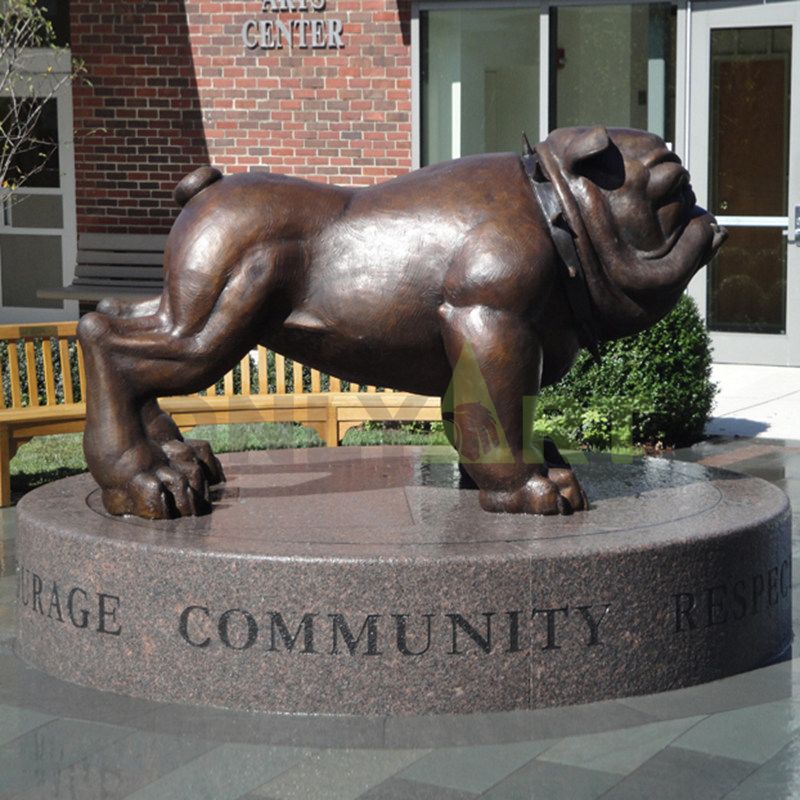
(744, 156)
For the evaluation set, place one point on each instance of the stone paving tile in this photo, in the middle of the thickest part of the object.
(16, 722)
(274, 729)
(712, 698)
(620, 751)
(224, 773)
(778, 779)
(25, 687)
(113, 772)
(678, 774)
(515, 726)
(337, 774)
(539, 780)
(472, 769)
(755, 733)
(400, 789)
(47, 749)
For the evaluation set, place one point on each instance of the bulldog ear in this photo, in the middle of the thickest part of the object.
(593, 155)
(587, 144)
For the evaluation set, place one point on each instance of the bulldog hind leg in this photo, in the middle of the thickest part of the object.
(159, 426)
(131, 361)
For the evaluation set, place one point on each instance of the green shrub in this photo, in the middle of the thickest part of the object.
(654, 388)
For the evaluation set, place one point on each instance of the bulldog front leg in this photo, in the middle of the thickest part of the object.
(497, 360)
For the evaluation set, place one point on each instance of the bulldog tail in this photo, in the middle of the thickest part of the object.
(194, 183)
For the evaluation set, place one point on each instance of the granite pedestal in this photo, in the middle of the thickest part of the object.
(363, 581)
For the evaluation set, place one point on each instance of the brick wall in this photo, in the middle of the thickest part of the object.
(173, 87)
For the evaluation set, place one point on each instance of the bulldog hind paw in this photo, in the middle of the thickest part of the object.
(195, 458)
(163, 492)
(539, 495)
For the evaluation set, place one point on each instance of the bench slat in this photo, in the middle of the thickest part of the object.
(81, 374)
(227, 383)
(109, 257)
(263, 378)
(66, 370)
(316, 381)
(280, 374)
(13, 368)
(49, 377)
(297, 377)
(123, 242)
(104, 272)
(245, 367)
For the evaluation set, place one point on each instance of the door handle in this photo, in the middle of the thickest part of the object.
(795, 238)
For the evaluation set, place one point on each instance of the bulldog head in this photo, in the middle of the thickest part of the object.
(639, 232)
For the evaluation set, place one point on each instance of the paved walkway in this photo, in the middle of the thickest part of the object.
(759, 402)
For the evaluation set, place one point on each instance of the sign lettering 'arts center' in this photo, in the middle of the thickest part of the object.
(301, 33)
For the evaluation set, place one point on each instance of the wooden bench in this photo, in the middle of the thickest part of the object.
(43, 382)
(124, 265)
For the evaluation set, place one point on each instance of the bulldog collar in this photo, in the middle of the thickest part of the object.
(563, 238)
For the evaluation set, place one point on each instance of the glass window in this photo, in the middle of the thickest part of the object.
(749, 168)
(480, 80)
(26, 264)
(57, 11)
(613, 65)
(37, 156)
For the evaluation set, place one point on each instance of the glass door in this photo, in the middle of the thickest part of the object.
(744, 152)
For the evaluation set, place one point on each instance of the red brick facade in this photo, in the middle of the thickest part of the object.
(173, 87)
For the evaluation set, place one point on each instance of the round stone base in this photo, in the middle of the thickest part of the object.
(363, 581)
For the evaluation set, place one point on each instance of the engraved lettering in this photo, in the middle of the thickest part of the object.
(37, 593)
(513, 632)
(55, 603)
(593, 623)
(772, 587)
(224, 629)
(107, 606)
(339, 624)
(484, 642)
(739, 600)
(401, 635)
(684, 606)
(715, 602)
(183, 626)
(279, 626)
(758, 590)
(550, 614)
(786, 578)
(84, 613)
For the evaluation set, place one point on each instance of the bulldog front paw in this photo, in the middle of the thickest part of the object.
(538, 496)
(191, 455)
(569, 487)
(163, 492)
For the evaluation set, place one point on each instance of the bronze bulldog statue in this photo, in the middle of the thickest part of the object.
(516, 261)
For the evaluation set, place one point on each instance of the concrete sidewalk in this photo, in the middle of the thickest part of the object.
(755, 401)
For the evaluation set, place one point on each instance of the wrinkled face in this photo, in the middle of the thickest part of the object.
(632, 198)
(647, 189)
